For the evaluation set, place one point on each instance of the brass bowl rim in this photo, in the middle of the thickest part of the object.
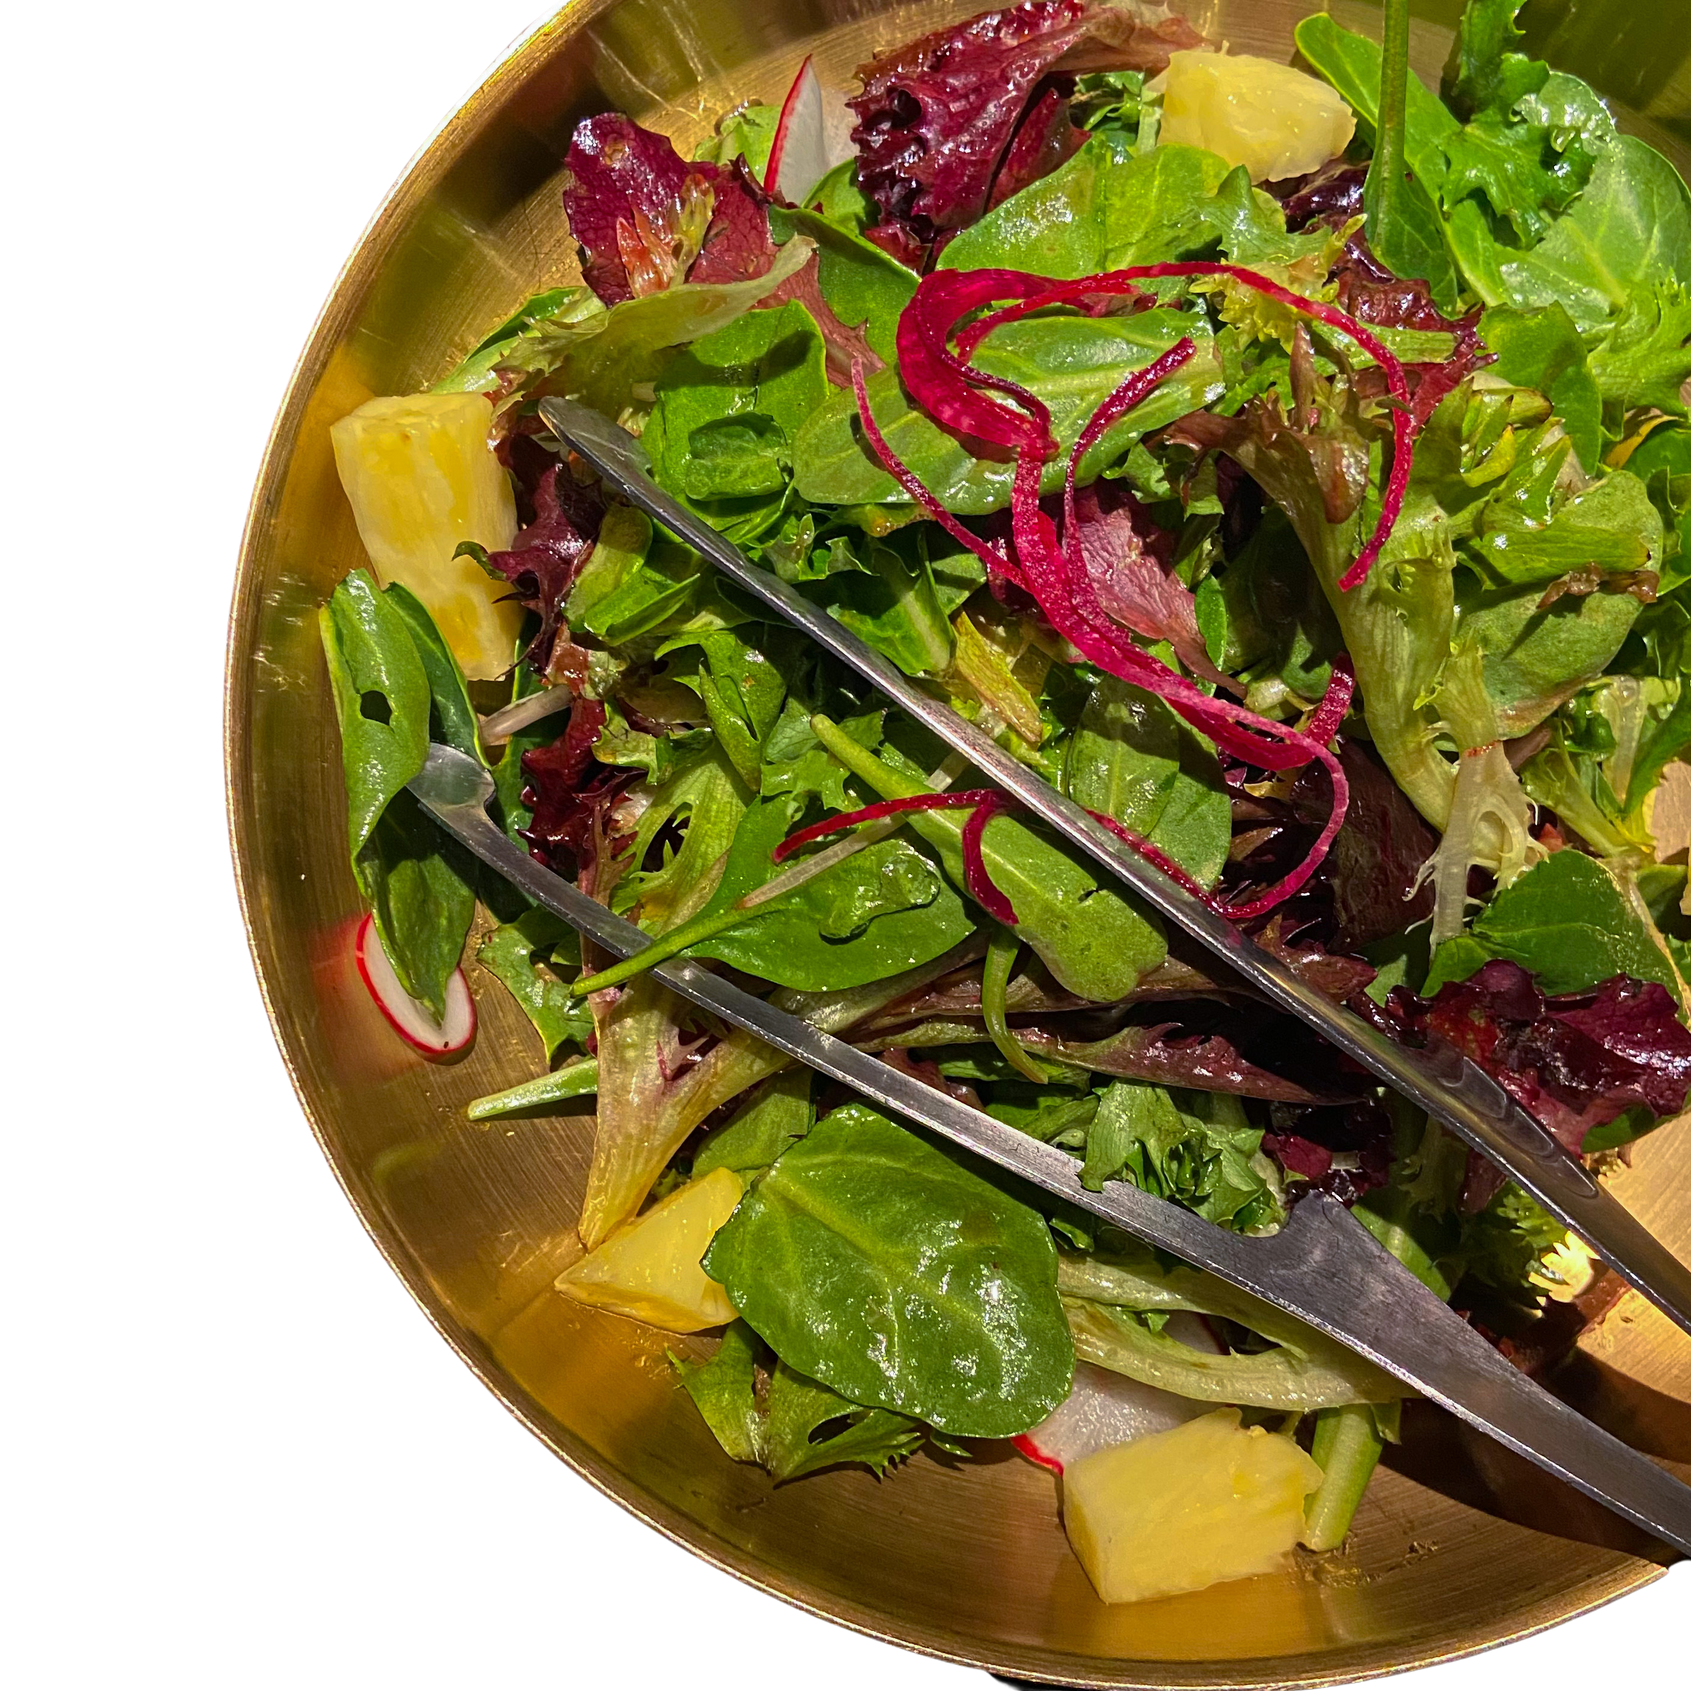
(1343, 1665)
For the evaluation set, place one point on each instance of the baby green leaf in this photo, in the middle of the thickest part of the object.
(1096, 942)
(884, 1269)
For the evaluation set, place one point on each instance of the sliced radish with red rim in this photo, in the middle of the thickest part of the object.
(412, 1020)
(799, 156)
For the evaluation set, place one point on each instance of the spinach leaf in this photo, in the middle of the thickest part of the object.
(1071, 363)
(1102, 210)
(1404, 227)
(1090, 936)
(1130, 757)
(382, 699)
(720, 434)
(1196, 1149)
(1567, 922)
(887, 1271)
(862, 286)
(761, 1129)
(1629, 229)
(452, 718)
(1535, 658)
(525, 956)
(1542, 349)
(880, 911)
(418, 886)
(421, 903)
(1610, 526)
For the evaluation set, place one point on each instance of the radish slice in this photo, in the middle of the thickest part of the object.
(1106, 1409)
(798, 157)
(409, 1019)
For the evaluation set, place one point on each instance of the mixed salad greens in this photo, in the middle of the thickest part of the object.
(1293, 466)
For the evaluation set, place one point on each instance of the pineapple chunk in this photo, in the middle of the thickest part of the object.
(649, 1267)
(1275, 121)
(1180, 1510)
(421, 478)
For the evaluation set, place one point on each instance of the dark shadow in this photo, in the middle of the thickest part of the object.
(1635, 1413)
(1448, 1457)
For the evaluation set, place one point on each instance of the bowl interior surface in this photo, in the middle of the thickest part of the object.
(967, 1561)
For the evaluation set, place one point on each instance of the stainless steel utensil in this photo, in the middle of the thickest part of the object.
(1439, 1079)
(1323, 1266)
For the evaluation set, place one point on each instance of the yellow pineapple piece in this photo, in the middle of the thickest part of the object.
(1180, 1510)
(421, 477)
(1275, 121)
(649, 1267)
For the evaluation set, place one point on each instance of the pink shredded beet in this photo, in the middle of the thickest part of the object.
(1341, 688)
(986, 802)
(975, 876)
(971, 403)
(1152, 853)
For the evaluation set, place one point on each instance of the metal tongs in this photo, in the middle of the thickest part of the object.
(1322, 1266)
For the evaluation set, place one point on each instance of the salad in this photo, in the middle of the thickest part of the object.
(1290, 464)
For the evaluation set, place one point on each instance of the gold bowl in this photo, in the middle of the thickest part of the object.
(965, 1561)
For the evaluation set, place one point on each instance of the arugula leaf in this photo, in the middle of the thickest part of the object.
(1264, 617)
(1071, 363)
(747, 132)
(521, 956)
(742, 686)
(1486, 74)
(884, 1269)
(1404, 227)
(895, 605)
(799, 1408)
(1130, 757)
(1568, 924)
(796, 761)
(556, 310)
(1352, 64)
(575, 1079)
(761, 1129)
(707, 796)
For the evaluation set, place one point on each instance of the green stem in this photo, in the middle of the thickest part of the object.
(1002, 948)
(573, 1080)
(1347, 1446)
(1393, 116)
(702, 927)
